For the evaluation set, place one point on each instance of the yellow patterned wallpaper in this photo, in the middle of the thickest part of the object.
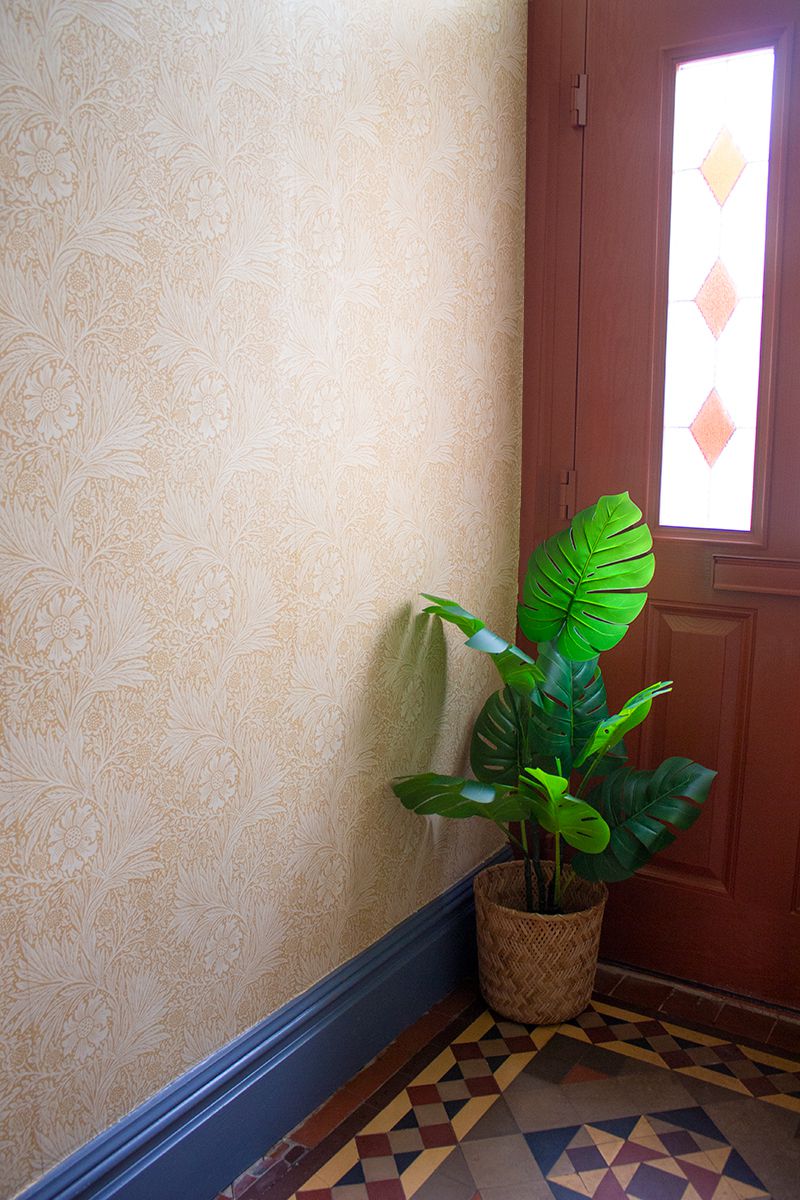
(260, 344)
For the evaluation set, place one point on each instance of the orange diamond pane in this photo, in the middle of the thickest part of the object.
(720, 183)
(716, 298)
(712, 428)
(722, 166)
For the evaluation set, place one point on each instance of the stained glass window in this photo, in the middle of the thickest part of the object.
(720, 163)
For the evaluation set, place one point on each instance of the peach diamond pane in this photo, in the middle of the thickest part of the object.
(712, 428)
(716, 298)
(722, 166)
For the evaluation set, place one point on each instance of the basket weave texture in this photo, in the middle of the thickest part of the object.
(536, 969)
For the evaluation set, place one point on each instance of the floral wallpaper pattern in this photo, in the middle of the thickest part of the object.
(260, 369)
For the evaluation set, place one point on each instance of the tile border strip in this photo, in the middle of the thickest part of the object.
(204, 1129)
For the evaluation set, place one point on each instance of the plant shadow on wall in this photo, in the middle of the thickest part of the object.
(546, 752)
(406, 684)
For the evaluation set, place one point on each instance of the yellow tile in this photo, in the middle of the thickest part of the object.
(769, 1060)
(599, 1136)
(510, 1069)
(609, 1148)
(592, 1180)
(388, 1117)
(743, 1191)
(475, 1031)
(726, 1081)
(629, 1051)
(435, 1070)
(624, 1014)
(790, 1102)
(575, 1032)
(470, 1114)
(542, 1035)
(716, 1158)
(671, 1167)
(575, 1182)
(333, 1170)
(625, 1173)
(692, 1035)
(423, 1167)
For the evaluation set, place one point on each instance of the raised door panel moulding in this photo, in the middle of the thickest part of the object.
(770, 576)
(707, 653)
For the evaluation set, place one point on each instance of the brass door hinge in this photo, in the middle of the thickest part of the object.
(579, 88)
(566, 494)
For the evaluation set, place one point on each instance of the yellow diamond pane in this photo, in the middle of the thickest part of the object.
(720, 169)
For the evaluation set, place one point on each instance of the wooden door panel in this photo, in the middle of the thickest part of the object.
(703, 718)
(722, 906)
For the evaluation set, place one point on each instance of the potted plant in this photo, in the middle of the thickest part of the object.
(546, 753)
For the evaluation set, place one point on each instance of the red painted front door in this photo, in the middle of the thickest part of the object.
(722, 907)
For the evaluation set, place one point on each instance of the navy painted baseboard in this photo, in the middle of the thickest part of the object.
(192, 1139)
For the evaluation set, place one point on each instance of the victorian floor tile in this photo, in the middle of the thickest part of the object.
(617, 1104)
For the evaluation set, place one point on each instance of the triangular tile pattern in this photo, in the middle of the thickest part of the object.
(722, 166)
(675, 1155)
(726, 1060)
(678, 1154)
(427, 1125)
(712, 428)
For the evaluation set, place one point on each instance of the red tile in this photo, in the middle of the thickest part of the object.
(692, 1007)
(426, 1093)
(373, 1145)
(437, 1135)
(760, 1085)
(786, 1035)
(314, 1194)
(606, 979)
(519, 1045)
(677, 1058)
(746, 1022)
(462, 1050)
(386, 1189)
(483, 1085)
(640, 989)
(600, 1033)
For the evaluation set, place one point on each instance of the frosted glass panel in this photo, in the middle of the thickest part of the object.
(720, 162)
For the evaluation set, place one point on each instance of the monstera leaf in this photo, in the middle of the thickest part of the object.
(503, 737)
(579, 586)
(516, 668)
(447, 796)
(572, 701)
(612, 730)
(642, 808)
(558, 812)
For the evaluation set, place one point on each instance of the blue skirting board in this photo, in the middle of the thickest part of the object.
(193, 1138)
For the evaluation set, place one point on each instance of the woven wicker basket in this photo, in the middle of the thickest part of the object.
(535, 969)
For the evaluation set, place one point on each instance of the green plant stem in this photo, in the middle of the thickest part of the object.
(591, 767)
(527, 868)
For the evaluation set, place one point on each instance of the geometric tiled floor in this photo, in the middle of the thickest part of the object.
(611, 1105)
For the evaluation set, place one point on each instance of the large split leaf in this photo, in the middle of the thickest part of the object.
(558, 812)
(502, 738)
(612, 730)
(579, 589)
(572, 702)
(516, 668)
(642, 809)
(448, 796)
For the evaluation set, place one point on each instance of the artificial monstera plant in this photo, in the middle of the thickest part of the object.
(545, 749)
